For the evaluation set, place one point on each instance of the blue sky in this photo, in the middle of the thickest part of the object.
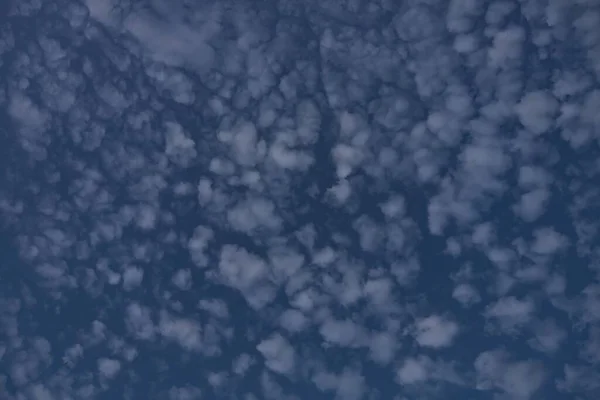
(289, 200)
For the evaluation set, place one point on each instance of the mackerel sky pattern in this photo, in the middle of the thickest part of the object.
(299, 200)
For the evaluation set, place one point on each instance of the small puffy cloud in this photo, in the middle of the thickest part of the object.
(132, 277)
(139, 321)
(180, 148)
(252, 214)
(343, 333)
(382, 347)
(507, 46)
(413, 370)
(244, 144)
(487, 365)
(242, 363)
(248, 273)
(351, 385)
(590, 350)
(278, 353)
(173, 44)
(182, 279)
(185, 332)
(579, 379)
(547, 241)
(348, 385)
(284, 262)
(40, 392)
(533, 204)
(511, 312)
(436, 332)
(108, 367)
(198, 245)
(548, 336)
(520, 379)
(293, 320)
(531, 177)
(536, 111)
(466, 294)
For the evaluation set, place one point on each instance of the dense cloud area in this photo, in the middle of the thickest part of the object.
(299, 200)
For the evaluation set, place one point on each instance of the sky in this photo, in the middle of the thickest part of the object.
(299, 200)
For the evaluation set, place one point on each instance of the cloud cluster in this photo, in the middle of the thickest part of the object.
(289, 200)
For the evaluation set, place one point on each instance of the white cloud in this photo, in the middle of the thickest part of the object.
(413, 370)
(284, 262)
(511, 313)
(108, 367)
(466, 295)
(548, 336)
(245, 147)
(199, 243)
(489, 366)
(579, 379)
(132, 277)
(436, 332)
(175, 44)
(548, 241)
(533, 204)
(536, 111)
(507, 46)
(182, 279)
(522, 379)
(252, 214)
(186, 332)
(533, 177)
(382, 347)
(101, 10)
(40, 392)
(240, 268)
(180, 147)
(139, 322)
(351, 385)
(199, 166)
(278, 353)
(247, 273)
(294, 320)
(344, 333)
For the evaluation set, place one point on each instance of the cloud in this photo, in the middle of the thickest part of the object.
(466, 295)
(548, 336)
(436, 332)
(536, 111)
(247, 273)
(413, 371)
(278, 353)
(356, 200)
(176, 44)
(523, 379)
(511, 313)
(108, 367)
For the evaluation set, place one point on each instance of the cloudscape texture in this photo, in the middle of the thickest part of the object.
(299, 200)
